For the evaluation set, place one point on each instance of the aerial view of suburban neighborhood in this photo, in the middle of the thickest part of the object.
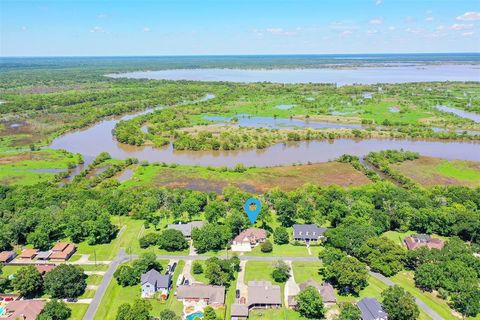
(240, 159)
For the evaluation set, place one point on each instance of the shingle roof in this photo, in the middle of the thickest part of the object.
(325, 290)
(6, 255)
(251, 233)
(186, 228)
(239, 310)
(307, 231)
(371, 309)
(263, 292)
(155, 278)
(28, 253)
(24, 309)
(43, 254)
(214, 294)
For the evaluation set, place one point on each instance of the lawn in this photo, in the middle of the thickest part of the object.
(303, 271)
(117, 295)
(286, 250)
(78, 310)
(201, 276)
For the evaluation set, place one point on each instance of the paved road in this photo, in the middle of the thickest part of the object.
(432, 314)
(95, 303)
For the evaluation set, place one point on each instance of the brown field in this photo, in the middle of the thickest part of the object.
(433, 171)
(255, 180)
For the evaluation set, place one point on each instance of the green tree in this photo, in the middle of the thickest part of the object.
(348, 275)
(310, 303)
(349, 311)
(140, 310)
(220, 271)
(383, 255)
(55, 310)
(197, 267)
(28, 282)
(467, 301)
(399, 304)
(285, 211)
(150, 239)
(215, 210)
(280, 235)
(281, 272)
(172, 240)
(266, 246)
(210, 237)
(209, 313)
(65, 281)
(168, 314)
(126, 276)
(101, 230)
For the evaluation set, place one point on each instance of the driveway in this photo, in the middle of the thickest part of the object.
(291, 286)
(241, 285)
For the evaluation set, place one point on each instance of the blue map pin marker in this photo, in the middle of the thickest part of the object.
(252, 214)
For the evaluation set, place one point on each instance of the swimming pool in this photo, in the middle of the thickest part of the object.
(192, 316)
(2, 310)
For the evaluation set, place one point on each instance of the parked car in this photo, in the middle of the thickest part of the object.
(174, 266)
(237, 294)
(168, 269)
(180, 279)
(72, 299)
(186, 282)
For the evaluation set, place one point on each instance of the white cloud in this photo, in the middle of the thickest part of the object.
(468, 34)
(342, 25)
(376, 21)
(415, 30)
(378, 2)
(146, 29)
(469, 16)
(429, 18)
(102, 15)
(346, 33)
(392, 28)
(23, 28)
(280, 32)
(372, 31)
(460, 26)
(97, 29)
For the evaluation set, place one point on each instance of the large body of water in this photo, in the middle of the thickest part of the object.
(98, 138)
(340, 76)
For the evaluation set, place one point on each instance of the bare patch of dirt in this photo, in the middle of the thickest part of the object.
(22, 157)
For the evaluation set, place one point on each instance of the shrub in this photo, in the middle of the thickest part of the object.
(266, 246)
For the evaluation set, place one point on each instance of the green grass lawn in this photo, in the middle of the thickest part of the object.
(92, 267)
(78, 310)
(201, 276)
(94, 279)
(459, 170)
(117, 295)
(285, 250)
(303, 271)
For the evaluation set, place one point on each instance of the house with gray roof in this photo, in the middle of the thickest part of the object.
(308, 232)
(371, 309)
(262, 294)
(186, 228)
(153, 282)
(239, 311)
(325, 289)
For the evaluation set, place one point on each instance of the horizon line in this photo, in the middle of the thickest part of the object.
(233, 55)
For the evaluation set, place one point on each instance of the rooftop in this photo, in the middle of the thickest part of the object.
(157, 279)
(214, 294)
(371, 309)
(251, 233)
(263, 292)
(308, 231)
(24, 309)
(186, 228)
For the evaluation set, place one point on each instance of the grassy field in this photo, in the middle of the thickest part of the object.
(257, 180)
(78, 310)
(432, 171)
(30, 167)
(117, 295)
(303, 271)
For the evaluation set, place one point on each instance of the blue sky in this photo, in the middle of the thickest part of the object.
(191, 27)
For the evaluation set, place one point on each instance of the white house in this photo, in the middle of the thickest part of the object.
(153, 282)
